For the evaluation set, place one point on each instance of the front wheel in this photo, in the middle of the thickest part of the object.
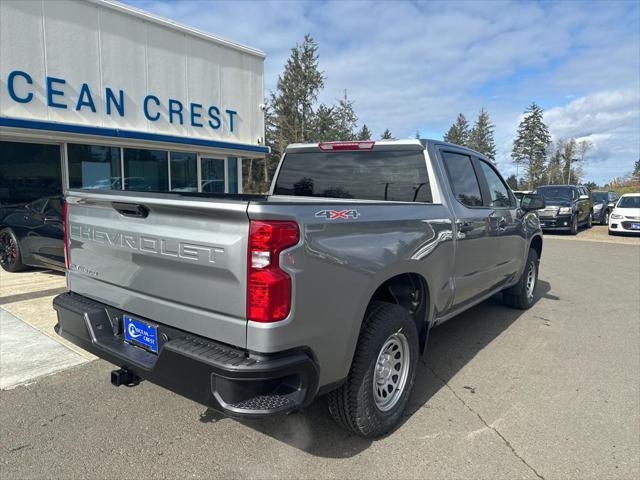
(605, 220)
(574, 225)
(590, 220)
(10, 257)
(371, 401)
(521, 295)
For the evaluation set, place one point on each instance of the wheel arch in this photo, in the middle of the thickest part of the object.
(411, 291)
(536, 244)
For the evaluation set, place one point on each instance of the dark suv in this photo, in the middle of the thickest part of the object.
(603, 204)
(568, 207)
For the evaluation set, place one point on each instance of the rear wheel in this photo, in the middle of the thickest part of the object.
(605, 220)
(10, 257)
(590, 220)
(521, 295)
(371, 402)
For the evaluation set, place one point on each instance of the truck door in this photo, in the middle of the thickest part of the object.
(474, 251)
(505, 226)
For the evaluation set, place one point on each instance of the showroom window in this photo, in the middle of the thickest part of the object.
(212, 175)
(184, 171)
(232, 175)
(146, 170)
(94, 167)
(28, 171)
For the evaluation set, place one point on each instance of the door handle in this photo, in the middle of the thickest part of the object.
(464, 227)
(131, 209)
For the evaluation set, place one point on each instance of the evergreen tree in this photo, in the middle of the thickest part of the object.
(386, 135)
(458, 133)
(531, 145)
(296, 93)
(364, 133)
(289, 115)
(418, 135)
(591, 186)
(324, 128)
(512, 181)
(345, 119)
(481, 136)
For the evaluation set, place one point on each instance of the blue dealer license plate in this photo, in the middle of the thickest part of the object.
(140, 333)
(635, 226)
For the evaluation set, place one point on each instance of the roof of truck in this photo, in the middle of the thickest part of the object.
(404, 143)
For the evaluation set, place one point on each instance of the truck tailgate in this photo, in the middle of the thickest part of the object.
(174, 260)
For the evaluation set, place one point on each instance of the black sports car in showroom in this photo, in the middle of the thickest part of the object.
(31, 235)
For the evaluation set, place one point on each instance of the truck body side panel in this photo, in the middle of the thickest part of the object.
(339, 265)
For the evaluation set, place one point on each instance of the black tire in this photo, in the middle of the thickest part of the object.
(605, 218)
(353, 405)
(10, 255)
(574, 225)
(590, 220)
(521, 296)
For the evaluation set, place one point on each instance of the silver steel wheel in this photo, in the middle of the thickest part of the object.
(531, 280)
(391, 371)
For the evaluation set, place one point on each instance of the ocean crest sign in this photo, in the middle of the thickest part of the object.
(176, 112)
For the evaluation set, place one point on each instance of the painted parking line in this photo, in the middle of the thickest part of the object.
(26, 353)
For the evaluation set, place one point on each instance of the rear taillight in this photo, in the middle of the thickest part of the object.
(65, 241)
(268, 286)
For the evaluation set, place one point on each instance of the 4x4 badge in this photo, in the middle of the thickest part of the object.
(336, 214)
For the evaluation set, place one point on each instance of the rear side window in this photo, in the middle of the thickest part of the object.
(463, 178)
(399, 176)
(497, 189)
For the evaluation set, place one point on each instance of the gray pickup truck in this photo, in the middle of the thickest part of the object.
(255, 305)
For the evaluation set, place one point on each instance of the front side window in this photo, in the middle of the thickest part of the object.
(498, 190)
(463, 178)
(93, 166)
(399, 176)
(145, 170)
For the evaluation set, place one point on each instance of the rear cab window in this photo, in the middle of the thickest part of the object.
(385, 175)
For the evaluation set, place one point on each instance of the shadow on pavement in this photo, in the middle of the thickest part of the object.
(450, 347)
(19, 297)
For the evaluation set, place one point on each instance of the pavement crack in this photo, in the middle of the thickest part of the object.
(16, 449)
(484, 422)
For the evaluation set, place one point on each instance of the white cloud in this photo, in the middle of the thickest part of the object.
(610, 120)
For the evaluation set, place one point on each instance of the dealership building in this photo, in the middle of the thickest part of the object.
(96, 94)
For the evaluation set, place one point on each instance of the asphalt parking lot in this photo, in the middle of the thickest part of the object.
(553, 393)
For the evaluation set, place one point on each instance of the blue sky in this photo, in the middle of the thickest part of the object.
(413, 65)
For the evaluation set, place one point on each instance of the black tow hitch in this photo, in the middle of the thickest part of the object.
(123, 376)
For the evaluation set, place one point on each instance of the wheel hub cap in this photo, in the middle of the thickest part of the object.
(391, 371)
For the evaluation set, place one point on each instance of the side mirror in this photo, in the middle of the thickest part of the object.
(612, 204)
(532, 201)
(584, 197)
(52, 219)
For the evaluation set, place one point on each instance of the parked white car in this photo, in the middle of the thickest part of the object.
(625, 217)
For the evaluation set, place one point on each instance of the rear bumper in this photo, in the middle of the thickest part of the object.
(231, 380)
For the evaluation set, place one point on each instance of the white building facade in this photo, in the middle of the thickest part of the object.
(95, 94)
